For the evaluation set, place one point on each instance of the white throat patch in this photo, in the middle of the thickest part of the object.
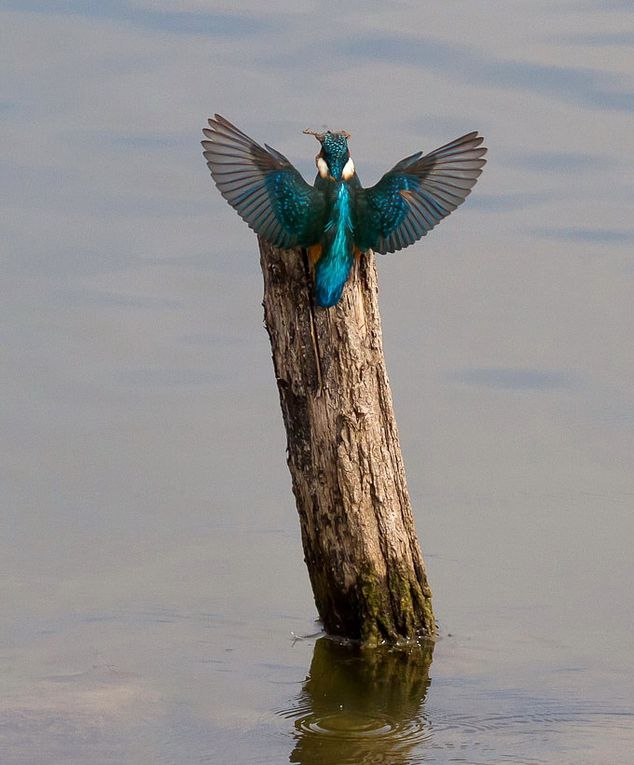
(322, 167)
(348, 170)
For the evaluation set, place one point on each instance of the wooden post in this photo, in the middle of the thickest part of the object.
(360, 546)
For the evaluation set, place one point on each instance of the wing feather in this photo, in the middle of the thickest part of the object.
(417, 193)
(263, 186)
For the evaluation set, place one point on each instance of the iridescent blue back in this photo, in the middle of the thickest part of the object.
(333, 268)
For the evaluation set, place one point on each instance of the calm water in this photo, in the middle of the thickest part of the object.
(151, 571)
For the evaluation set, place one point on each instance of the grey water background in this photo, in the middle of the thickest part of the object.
(150, 562)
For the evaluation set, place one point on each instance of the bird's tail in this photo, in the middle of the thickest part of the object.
(333, 268)
(331, 274)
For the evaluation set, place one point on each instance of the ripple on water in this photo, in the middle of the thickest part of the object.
(360, 706)
(356, 737)
(534, 721)
(358, 727)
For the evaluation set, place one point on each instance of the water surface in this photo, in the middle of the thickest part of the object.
(152, 579)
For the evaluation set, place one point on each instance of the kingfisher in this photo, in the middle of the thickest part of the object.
(336, 219)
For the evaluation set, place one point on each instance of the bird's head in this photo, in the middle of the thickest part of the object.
(333, 161)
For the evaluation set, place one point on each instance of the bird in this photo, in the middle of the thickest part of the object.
(337, 219)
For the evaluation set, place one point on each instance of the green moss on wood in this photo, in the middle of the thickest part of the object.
(393, 608)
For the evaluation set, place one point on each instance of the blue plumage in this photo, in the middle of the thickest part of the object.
(336, 213)
(333, 267)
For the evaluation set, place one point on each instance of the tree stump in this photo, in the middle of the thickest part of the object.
(360, 546)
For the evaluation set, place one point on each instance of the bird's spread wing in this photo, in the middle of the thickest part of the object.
(416, 194)
(263, 187)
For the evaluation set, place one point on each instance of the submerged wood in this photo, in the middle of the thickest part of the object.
(360, 545)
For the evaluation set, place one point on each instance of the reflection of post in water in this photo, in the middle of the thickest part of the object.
(361, 706)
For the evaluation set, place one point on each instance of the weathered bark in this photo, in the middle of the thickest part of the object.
(360, 546)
